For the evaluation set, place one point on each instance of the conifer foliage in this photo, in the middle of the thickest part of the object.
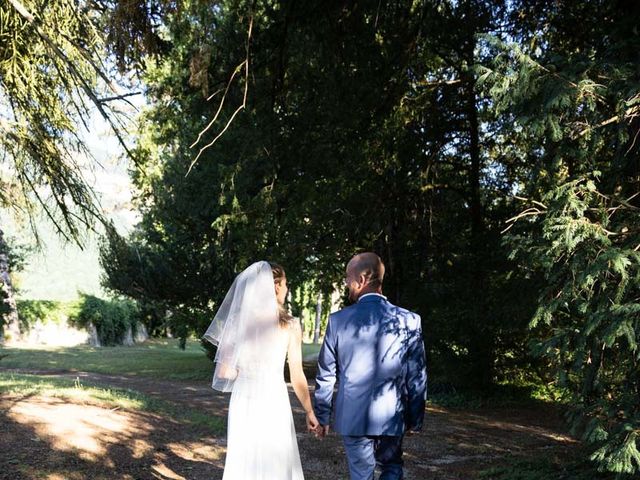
(573, 91)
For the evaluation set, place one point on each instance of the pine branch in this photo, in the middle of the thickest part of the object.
(628, 114)
(75, 73)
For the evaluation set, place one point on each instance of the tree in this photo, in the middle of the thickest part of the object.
(11, 260)
(573, 92)
(360, 130)
(51, 69)
(9, 309)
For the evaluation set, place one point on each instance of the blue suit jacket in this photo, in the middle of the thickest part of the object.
(376, 353)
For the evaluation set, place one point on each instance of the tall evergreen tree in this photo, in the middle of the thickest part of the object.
(572, 90)
(362, 129)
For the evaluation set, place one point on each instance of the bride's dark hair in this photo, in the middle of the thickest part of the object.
(278, 276)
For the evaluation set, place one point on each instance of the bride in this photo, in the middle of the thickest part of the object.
(254, 333)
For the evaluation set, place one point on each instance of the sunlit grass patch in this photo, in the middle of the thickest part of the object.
(156, 358)
(504, 394)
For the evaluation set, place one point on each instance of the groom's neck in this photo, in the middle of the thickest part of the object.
(365, 291)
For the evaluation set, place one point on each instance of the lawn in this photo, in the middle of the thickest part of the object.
(157, 358)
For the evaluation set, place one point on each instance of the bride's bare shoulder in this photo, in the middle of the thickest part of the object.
(294, 326)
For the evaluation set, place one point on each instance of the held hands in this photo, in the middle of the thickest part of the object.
(323, 431)
(314, 426)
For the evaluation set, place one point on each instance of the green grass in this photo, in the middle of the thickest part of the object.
(501, 395)
(75, 391)
(155, 358)
(309, 348)
(547, 467)
(158, 358)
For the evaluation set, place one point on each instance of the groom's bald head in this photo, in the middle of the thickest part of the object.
(365, 274)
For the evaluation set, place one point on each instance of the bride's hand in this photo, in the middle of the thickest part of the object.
(312, 422)
(227, 372)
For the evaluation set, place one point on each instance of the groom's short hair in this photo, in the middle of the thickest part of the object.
(370, 265)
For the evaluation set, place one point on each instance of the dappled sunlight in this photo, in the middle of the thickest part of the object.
(98, 441)
(386, 404)
(502, 424)
(66, 476)
(203, 452)
(508, 426)
(475, 438)
(140, 448)
(104, 443)
(166, 472)
(85, 429)
(200, 452)
(190, 389)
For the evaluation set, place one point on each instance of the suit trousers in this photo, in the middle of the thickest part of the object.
(363, 453)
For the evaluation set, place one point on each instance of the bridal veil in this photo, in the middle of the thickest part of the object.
(245, 324)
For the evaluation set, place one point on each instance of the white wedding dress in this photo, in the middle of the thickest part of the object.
(261, 438)
(251, 350)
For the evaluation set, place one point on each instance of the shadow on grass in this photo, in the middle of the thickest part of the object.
(45, 437)
(22, 386)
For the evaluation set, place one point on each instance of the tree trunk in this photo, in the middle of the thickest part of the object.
(316, 330)
(475, 165)
(481, 350)
(11, 323)
(393, 274)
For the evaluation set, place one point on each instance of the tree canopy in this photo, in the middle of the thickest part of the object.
(487, 150)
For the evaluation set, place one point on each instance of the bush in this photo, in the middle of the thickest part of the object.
(111, 318)
(209, 349)
(30, 311)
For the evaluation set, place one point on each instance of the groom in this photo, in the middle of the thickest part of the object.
(375, 351)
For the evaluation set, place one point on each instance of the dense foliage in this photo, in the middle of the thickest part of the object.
(354, 137)
(111, 318)
(12, 260)
(45, 311)
(53, 74)
(574, 100)
(488, 150)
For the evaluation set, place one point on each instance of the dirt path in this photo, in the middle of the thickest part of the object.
(455, 444)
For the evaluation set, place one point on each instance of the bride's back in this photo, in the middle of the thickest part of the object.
(263, 353)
